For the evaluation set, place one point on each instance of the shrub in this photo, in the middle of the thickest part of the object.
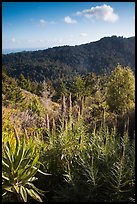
(19, 167)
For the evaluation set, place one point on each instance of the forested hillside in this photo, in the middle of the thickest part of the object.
(65, 62)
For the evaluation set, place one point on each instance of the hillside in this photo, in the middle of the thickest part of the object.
(67, 61)
(82, 141)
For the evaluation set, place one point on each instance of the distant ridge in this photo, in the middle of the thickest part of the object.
(67, 61)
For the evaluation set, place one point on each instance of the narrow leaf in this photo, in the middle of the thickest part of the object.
(23, 193)
(34, 195)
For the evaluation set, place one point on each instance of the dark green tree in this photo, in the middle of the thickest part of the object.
(60, 89)
(22, 82)
(79, 87)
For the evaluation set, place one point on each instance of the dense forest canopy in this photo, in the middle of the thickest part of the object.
(67, 61)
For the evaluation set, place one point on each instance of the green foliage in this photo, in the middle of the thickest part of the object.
(86, 165)
(121, 90)
(91, 84)
(32, 86)
(11, 92)
(7, 127)
(79, 87)
(19, 167)
(102, 172)
(60, 89)
(22, 82)
(36, 107)
(48, 90)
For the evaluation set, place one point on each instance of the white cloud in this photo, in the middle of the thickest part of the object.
(105, 13)
(13, 40)
(69, 20)
(134, 17)
(43, 22)
(83, 34)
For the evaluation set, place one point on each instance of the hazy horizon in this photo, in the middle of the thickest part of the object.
(15, 50)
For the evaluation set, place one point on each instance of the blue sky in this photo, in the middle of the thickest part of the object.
(48, 24)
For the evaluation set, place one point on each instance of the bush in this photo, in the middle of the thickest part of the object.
(19, 167)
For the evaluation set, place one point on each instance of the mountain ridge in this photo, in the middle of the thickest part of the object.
(67, 61)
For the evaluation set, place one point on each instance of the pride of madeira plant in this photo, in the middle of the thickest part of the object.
(19, 167)
(103, 171)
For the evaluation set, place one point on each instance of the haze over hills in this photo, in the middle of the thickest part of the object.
(15, 50)
(67, 61)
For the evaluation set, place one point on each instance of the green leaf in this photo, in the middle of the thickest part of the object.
(25, 162)
(18, 159)
(8, 188)
(17, 143)
(31, 173)
(8, 156)
(36, 189)
(32, 179)
(5, 166)
(29, 151)
(4, 177)
(23, 193)
(46, 174)
(35, 161)
(4, 162)
(16, 188)
(34, 195)
(22, 173)
(4, 194)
